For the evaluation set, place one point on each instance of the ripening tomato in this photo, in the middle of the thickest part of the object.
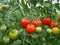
(25, 22)
(54, 24)
(55, 30)
(47, 21)
(36, 22)
(30, 29)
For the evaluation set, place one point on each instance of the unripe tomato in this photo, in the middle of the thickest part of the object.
(13, 24)
(47, 21)
(36, 22)
(25, 22)
(1, 9)
(59, 18)
(43, 39)
(6, 39)
(55, 30)
(49, 30)
(38, 29)
(30, 29)
(3, 28)
(5, 6)
(13, 34)
(54, 24)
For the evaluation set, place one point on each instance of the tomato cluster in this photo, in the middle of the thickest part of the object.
(32, 26)
(12, 35)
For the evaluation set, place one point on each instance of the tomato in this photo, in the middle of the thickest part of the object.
(47, 21)
(25, 22)
(59, 18)
(49, 30)
(1, 9)
(55, 30)
(6, 39)
(54, 24)
(38, 29)
(13, 34)
(36, 22)
(5, 6)
(30, 29)
(13, 24)
(43, 39)
(3, 28)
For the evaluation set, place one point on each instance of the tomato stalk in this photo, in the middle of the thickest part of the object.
(24, 40)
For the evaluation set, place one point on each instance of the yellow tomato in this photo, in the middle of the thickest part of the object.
(55, 30)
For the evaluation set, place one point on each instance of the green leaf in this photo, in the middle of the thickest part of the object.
(17, 42)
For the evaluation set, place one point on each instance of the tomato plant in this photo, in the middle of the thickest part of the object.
(36, 22)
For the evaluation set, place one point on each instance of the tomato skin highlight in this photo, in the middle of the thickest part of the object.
(54, 24)
(25, 22)
(30, 29)
(46, 21)
(36, 22)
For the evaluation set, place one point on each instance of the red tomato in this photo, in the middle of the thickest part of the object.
(25, 22)
(59, 18)
(47, 21)
(54, 24)
(30, 29)
(36, 22)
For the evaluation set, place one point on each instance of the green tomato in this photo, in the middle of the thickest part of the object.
(38, 29)
(1, 9)
(49, 30)
(6, 39)
(3, 28)
(5, 6)
(13, 24)
(13, 34)
(43, 39)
